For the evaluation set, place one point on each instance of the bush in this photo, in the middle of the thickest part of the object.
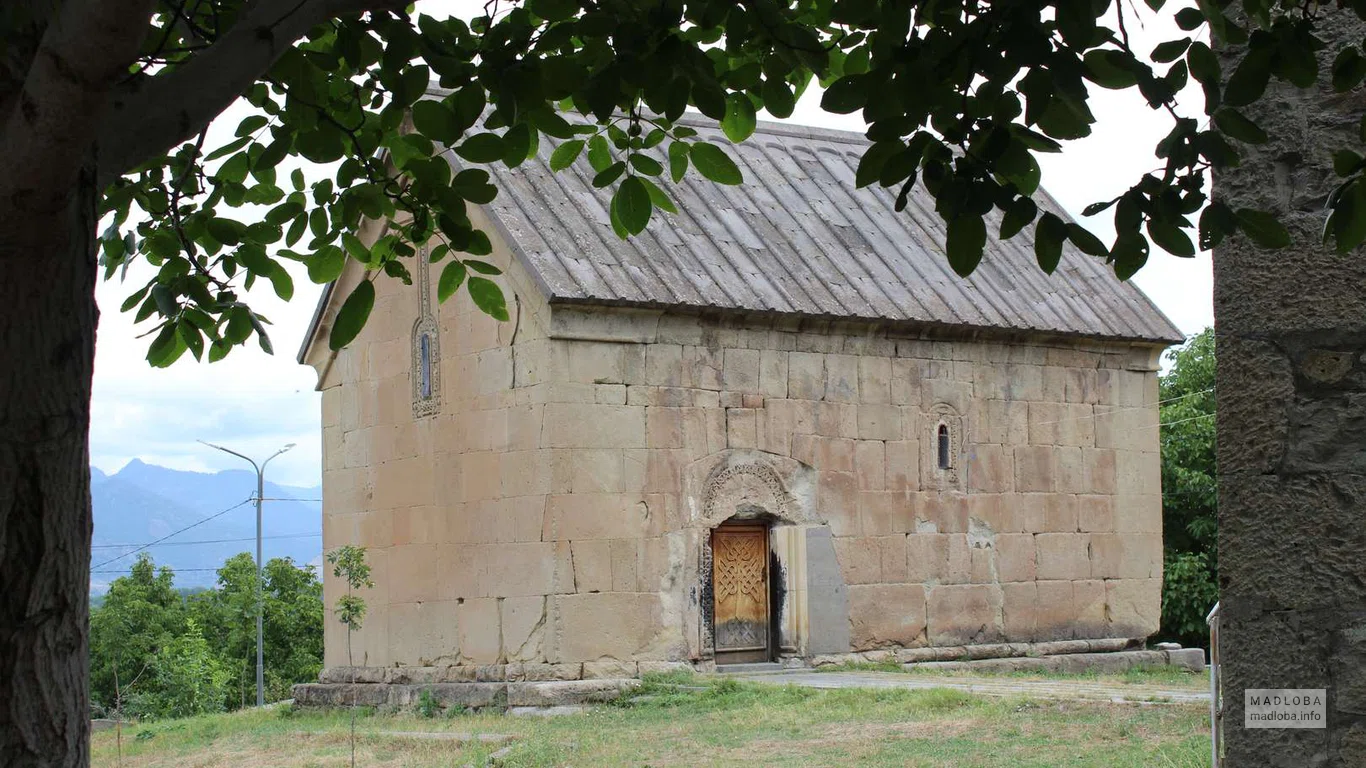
(1188, 593)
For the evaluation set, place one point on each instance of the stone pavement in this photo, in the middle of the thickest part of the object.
(1056, 688)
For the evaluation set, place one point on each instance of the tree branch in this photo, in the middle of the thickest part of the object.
(149, 116)
(45, 137)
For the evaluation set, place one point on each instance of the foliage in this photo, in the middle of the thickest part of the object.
(348, 564)
(958, 96)
(179, 654)
(1189, 491)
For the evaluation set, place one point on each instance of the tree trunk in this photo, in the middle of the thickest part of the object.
(1291, 332)
(47, 352)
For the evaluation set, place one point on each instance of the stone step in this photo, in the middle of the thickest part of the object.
(751, 668)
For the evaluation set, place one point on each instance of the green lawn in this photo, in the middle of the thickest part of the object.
(705, 723)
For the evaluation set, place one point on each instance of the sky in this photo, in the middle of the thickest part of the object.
(256, 403)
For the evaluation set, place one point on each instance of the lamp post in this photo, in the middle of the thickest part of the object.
(260, 572)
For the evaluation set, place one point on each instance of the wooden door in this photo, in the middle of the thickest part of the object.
(740, 590)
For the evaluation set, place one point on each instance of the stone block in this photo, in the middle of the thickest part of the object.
(742, 428)
(664, 427)
(841, 378)
(592, 565)
(624, 557)
(1098, 470)
(893, 559)
(616, 625)
(1096, 514)
(773, 373)
(1035, 468)
(963, 614)
(517, 569)
(879, 422)
(477, 629)
(664, 667)
(1071, 477)
(948, 556)
(547, 672)
(581, 425)
(609, 669)
(491, 673)
(334, 675)
(837, 502)
(990, 469)
(741, 370)
(1138, 473)
(1019, 611)
(1015, 554)
(834, 454)
(567, 692)
(523, 624)
(883, 512)
(1045, 423)
(837, 419)
(886, 615)
(597, 470)
(702, 367)
(903, 466)
(1134, 607)
(594, 516)
(1055, 611)
(870, 464)
(875, 379)
(1138, 514)
(664, 365)
(946, 512)
(860, 560)
(1089, 609)
(1062, 555)
(906, 376)
(1126, 555)
(805, 376)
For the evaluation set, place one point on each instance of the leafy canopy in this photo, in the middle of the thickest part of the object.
(959, 96)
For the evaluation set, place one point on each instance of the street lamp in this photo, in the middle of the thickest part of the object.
(260, 573)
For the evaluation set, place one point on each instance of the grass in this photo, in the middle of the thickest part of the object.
(1165, 676)
(678, 720)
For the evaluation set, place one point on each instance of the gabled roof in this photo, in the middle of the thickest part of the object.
(798, 239)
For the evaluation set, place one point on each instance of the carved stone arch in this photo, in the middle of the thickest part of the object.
(749, 485)
(942, 421)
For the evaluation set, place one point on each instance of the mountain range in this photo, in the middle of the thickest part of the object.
(204, 517)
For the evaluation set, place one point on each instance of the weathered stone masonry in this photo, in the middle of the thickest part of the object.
(553, 512)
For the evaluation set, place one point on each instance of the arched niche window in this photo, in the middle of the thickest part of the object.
(424, 366)
(426, 348)
(944, 450)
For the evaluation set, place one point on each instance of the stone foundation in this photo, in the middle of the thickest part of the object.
(472, 695)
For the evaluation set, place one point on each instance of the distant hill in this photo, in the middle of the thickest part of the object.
(143, 502)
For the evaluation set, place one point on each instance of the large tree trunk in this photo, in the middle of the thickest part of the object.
(47, 352)
(1291, 331)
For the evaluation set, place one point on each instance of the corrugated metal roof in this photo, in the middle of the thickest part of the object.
(797, 238)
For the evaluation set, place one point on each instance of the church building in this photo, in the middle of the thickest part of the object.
(774, 427)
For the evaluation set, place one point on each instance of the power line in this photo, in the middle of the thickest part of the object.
(209, 541)
(177, 570)
(1095, 415)
(244, 502)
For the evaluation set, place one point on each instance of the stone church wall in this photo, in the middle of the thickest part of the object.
(547, 512)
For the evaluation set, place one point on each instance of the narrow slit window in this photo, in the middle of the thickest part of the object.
(424, 343)
(944, 458)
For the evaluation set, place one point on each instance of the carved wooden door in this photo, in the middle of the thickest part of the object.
(740, 591)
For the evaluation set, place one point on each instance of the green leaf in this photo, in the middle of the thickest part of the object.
(739, 122)
(633, 206)
(1110, 69)
(166, 348)
(1346, 162)
(1349, 69)
(436, 121)
(565, 154)
(554, 10)
(227, 149)
(599, 154)
(235, 169)
(1170, 238)
(967, 238)
(1049, 235)
(611, 174)
(1170, 51)
(482, 148)
(874, 159)
(657, 196)
(1264, 228)
(352, 315)
(281, 281)
(778, 98)
(646, 164)
(1249, 80)
(678, 159)
(848, 94)
(713, 163)
(1232, 123)
(451, 278)
(488, 297)
(193, 340)
(272, 155)
(1019, 214)
(326, 264)
(1204, 65)
(1086, 242)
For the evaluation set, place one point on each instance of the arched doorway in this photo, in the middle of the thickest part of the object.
(742, 610)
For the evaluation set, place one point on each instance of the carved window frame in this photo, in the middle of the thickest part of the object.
(943, 417)
(426, 370)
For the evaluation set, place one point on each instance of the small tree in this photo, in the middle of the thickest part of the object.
(348, 563)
